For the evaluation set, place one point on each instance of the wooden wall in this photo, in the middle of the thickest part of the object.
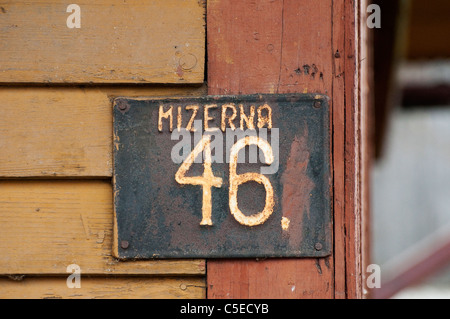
(56, 89)
(56, 92)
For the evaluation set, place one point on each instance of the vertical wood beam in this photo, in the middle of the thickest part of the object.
(269, 47)
(347, 148)
(287, 46)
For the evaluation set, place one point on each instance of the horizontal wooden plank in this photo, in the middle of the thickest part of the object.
(47, 225)
(117, 41)
(63, 132)
(103, 288)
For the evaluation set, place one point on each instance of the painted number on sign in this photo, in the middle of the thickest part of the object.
(208, 180)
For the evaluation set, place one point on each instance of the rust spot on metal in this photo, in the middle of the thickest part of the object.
(297, 186)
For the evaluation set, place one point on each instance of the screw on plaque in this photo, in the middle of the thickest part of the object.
(122, 105)
(318, 246)
(124, 244)
(317, 104)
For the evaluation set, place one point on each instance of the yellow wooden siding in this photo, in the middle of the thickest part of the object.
(102, 287)
(118, 41)
(47, 225)
(65, 131)
(56, 198)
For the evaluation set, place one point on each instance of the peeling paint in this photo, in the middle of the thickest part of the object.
(297, 186)
(285, 223)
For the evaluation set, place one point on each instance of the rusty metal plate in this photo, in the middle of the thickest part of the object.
(222, 176)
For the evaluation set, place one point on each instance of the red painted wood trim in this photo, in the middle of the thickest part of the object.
(280, 47)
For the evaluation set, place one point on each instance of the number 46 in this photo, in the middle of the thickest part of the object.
(208, 180)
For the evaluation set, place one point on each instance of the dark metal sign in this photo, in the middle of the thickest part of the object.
(222, 176)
